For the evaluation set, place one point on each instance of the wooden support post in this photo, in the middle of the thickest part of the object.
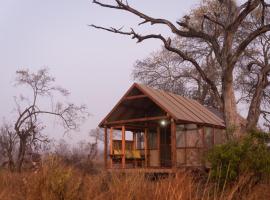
(214, 132)
(204, 149)
(158, 145)
(123, 147)
(134, 140)
(145, 147)
(173, 143)
(111, 147)
(201, 133)
(105, 147)
(134, 147)
(185, 135)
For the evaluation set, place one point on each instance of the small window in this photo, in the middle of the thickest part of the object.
(220, 136)
(180, 136)
(191, 127)
(209, 139)
(193, 135)
(152, 140)
(140, 141)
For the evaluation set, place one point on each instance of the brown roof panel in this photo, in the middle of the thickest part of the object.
(178, 107)
(197, 109)
(163, 100)
(182, 108)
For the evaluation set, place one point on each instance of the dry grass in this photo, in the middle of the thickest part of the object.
(55, 181)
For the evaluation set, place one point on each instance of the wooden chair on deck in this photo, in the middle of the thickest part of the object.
(138, 158)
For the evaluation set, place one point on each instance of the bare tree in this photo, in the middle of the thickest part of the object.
(253, 80)
(8, 144)
(165, 70)
(97, 135)
(82, 155)
(216, 23)
(28, 124)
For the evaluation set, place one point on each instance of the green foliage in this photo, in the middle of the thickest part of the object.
(248, 155)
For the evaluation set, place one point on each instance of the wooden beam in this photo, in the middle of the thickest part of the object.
(103, 122)
(131, 127)
(135, 97)
(173, 143)
(123, 147)
(158, 145)
(145, 147)
(199, 124)
(105, 147)
(111, 146)
(143, 119)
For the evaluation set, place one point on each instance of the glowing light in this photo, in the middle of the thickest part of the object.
(163, 122)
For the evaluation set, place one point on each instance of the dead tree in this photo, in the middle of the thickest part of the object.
(28, 124)
(165, 70)
(8, 144)
(218, 27)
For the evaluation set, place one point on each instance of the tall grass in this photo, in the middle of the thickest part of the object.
(57, 181)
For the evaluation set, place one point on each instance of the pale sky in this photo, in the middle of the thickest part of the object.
(95, 66)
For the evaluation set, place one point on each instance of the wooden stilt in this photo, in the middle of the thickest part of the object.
(123, 147)
(105, 147)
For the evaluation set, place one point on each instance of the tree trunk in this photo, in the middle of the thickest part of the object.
(21, 154)
(231, 116)
(230, 110)
(254, 108)
(10, 161)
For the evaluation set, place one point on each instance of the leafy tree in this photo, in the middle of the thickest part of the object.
(248, 155)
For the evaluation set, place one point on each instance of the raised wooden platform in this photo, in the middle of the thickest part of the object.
(143, 170)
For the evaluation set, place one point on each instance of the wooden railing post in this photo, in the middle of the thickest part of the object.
(105, 147)
(173, 143)
(123, 147)
(111, 147)
(145, 147)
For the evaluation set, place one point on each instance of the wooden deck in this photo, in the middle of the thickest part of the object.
(144, 170)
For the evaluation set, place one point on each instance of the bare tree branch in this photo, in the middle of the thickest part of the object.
(242, 46)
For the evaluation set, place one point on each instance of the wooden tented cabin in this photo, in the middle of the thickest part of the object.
(166, 131)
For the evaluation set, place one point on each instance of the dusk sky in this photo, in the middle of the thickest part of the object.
(95, 66)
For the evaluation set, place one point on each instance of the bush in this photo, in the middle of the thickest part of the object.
(248, 155)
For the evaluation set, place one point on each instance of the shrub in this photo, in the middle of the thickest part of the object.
(247, 155)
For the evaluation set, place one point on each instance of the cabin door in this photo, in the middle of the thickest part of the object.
(165, 146)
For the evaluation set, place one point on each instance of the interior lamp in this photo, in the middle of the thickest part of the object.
(163, 122)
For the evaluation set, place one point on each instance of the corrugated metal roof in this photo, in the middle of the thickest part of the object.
(178, 107)
(182, 108)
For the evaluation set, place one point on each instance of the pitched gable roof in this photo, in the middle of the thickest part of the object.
(178, 107)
